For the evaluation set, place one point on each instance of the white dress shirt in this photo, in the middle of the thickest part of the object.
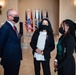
(41, 45)
(10, 23)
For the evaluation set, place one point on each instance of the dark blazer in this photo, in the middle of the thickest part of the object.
(49, 45)
(67, 65)
(10, 44)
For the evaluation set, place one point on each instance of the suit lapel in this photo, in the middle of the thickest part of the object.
(12, 29)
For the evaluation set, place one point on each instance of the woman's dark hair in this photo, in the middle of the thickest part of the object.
(72, 26)
(49, 25)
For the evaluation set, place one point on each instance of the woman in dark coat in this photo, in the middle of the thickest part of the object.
(65, 62)
(42, 43)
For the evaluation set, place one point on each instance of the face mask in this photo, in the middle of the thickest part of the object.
(16, 19)
(61, 30)
(44, 27)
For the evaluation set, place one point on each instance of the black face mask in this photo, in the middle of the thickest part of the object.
(16, 19)
(44, 27)
(61, 30)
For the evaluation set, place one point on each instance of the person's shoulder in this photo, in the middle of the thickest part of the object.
(5, 24)
(5, 27)
(50, 34)
(70, 37)
(36, 31)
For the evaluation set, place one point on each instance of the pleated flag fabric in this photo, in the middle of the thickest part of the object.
(39, 18)
(33, 23)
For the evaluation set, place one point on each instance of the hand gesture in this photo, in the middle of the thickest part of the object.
(38, 51)
(55, 66)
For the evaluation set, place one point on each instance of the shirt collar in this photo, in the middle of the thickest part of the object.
(10, 23)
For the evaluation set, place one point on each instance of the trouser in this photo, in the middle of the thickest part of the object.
(11, 70)
(45, 66)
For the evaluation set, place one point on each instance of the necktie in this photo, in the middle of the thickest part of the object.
(15, 28)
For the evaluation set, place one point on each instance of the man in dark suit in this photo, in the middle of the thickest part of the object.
(10, 44)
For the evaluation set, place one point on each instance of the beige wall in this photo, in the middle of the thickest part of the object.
(8, 5)
(51, 5)
(67, 10)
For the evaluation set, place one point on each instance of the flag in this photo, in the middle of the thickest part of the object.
(41, 14)
(47, 14)
(25, 15)
(36, 14)
(44, 14)
(20, 28)
(35, 21)
(31, 21)
(26, 21)
(29, 27)
(38, 18)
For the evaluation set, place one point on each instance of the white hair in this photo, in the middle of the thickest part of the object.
(9, 12)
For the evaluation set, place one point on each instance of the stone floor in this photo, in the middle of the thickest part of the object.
(27, 67)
